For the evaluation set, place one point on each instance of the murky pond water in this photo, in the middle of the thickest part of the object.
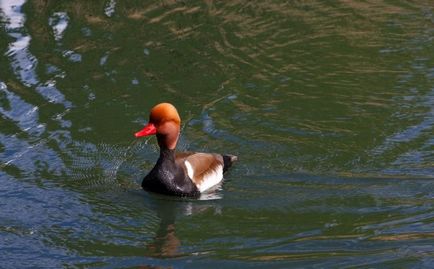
(328, 104)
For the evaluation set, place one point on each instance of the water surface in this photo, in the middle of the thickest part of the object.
(329, 106)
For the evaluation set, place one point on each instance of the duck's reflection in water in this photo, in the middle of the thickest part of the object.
(166, 243)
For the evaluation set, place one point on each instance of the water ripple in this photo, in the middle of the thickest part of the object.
(22, 61)
(34, 158)
(328, 105)
(24, 114)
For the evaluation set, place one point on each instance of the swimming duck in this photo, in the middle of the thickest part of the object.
(185, 173)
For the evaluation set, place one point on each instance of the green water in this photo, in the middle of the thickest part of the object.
(329, 106)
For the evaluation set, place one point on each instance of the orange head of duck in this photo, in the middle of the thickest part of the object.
(164, 121)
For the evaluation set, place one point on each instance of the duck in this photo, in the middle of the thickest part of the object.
(186, 174)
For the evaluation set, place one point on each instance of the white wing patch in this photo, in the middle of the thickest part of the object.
(210, 179)
(190, 170)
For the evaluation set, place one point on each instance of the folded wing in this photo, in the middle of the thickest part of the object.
(204, 169)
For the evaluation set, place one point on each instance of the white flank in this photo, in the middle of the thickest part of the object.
(210, 179)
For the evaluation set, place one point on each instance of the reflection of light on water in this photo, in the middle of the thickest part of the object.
(24, 114)
(110, 8)
(103, 59)
(23, 62)
(52, 94)
(22, 42)
(59, 22)
(72, 56)
(12, 11)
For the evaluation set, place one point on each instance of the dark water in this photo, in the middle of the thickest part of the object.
(328, 104)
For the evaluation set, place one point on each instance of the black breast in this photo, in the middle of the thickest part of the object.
(168, 178)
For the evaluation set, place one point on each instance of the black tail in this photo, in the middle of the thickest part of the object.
(228, 160)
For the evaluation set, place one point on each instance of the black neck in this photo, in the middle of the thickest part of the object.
(167, 153)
